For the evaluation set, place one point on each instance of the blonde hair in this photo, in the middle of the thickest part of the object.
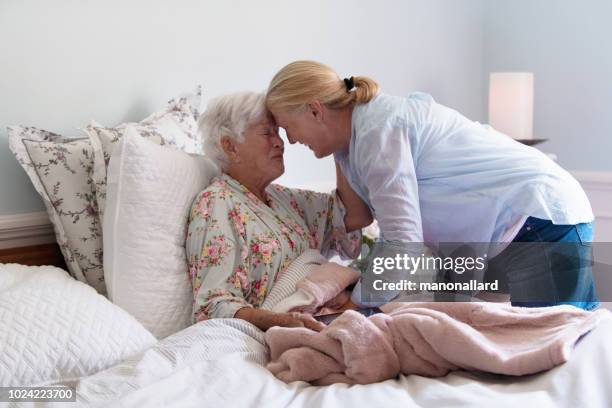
(302, 82)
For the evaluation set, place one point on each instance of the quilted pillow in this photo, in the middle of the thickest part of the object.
(62, 171)
(150, 191)
(176, 127)
(54, 328)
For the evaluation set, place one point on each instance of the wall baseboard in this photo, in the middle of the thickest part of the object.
(598, 187)
(21, 230)
(601, 180)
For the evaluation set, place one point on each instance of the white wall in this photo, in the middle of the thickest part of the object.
(69, 61)
(566, 43)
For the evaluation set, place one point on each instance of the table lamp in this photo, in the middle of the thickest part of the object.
(511, 104)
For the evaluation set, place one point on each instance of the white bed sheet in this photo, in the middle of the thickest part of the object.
(217, 363)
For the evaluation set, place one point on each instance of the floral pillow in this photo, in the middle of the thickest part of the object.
(176, 127)
(60, 169)
(63, 172)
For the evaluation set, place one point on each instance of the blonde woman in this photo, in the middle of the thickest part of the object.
(431, 175)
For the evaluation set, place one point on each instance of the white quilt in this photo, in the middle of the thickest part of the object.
(218, 363)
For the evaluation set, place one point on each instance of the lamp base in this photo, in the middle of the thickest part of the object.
(531, 142)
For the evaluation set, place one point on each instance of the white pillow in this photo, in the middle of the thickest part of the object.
(175, 127)
(54, 328)
(149, 193)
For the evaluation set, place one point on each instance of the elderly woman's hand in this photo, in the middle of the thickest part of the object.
(296, 319)
(264, 319)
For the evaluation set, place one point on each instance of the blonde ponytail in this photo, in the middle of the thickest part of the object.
(365, 89)
(302, 82)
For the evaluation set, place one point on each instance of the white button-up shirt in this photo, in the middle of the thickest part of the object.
(431, 175)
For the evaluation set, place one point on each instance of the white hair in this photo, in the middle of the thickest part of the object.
(229, 115)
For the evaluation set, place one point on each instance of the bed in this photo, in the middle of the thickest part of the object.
(218, 363)
(221, 363)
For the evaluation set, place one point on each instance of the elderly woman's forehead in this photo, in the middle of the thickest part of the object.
(266, 120)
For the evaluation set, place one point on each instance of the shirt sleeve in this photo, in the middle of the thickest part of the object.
(324, 214)
(386, 168)
(216, 254)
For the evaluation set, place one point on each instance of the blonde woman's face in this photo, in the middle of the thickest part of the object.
(306, 129)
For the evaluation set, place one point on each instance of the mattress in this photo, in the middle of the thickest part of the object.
(220, 363)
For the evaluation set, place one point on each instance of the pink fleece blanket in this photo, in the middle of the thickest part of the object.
(326, 284)
(429, 339)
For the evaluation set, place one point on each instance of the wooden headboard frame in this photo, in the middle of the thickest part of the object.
(45, 254)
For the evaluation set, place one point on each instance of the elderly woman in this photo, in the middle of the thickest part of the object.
(244, 232)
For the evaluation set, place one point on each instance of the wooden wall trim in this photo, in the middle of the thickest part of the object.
(598, 187)
(21, 230)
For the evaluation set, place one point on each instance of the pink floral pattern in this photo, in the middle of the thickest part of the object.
(237, 246)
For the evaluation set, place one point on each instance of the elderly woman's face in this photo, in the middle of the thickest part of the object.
(262, 150)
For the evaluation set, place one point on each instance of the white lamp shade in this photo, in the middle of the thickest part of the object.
(511, 103)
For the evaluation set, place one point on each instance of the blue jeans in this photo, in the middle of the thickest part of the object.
(547, 265)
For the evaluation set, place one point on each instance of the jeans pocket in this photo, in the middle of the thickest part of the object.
(585, 233)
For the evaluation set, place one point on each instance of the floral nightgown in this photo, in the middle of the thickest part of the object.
(237, 246)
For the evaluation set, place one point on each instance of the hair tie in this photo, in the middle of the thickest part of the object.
(349, 83)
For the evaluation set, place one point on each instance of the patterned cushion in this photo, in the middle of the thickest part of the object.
(70, 176)
(64, 169)
(175, 127)
(60, 169)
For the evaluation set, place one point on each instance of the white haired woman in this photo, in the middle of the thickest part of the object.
(243, 231)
